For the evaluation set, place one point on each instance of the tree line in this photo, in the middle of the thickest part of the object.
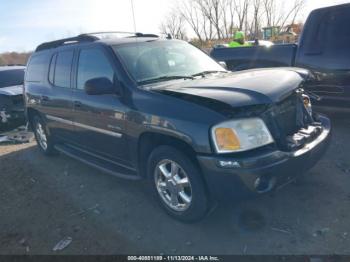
(14, 58)
(218, 19)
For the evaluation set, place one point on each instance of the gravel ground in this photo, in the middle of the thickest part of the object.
(44, 200)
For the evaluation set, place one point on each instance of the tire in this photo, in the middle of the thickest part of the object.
(43, 140)
(192, 202)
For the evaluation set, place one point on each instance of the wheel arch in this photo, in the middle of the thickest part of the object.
(148, 141)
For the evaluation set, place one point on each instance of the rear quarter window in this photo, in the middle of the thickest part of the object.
(338, 29)
(36, 69)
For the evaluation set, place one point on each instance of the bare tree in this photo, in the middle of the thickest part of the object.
(174, 25)
(277, 15)
(217, 19)
(255, 25)
(297, 7)
(213, 11)
(192, 15)
(240, 8)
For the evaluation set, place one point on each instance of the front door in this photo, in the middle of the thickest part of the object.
(98, 119)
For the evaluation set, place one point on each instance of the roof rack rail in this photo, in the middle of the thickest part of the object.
(87, 37)
(132, 34)
(57, 43)
(110, 32)
(144, 35)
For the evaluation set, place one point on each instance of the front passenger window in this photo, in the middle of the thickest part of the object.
(93, 64)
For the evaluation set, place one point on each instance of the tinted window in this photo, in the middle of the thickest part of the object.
(338, 29)
(36, 68)
(11, 77)
(149, 61)
(92, 64)
(63, 68)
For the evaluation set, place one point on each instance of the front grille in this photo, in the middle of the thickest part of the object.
(287, 118)
(285, 115)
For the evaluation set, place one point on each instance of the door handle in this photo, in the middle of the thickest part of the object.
(77, 104)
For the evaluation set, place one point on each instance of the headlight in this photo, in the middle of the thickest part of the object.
(240, 135)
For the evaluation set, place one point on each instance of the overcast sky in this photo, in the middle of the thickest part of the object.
(25, 24)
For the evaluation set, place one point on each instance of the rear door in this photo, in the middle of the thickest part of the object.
(99, 119)
(58, 98)
(325, 49)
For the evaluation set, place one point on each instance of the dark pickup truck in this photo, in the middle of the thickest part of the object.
(323, 48)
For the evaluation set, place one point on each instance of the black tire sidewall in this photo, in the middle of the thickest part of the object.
(200, 202)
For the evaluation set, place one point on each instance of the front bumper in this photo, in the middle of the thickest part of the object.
(268, 165)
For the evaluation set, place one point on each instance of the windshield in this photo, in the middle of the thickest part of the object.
(11, 77)
(164, 60)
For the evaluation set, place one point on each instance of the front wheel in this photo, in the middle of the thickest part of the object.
(178, 185)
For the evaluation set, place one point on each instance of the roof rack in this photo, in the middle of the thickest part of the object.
(57, 43)
(144, 35)
(132, 34)
(87, 37)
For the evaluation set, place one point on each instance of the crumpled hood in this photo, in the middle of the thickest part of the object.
(245, 88)
(11, 90)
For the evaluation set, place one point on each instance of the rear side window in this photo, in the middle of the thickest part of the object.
(338, 29)
(62, 71)
(92, 64)
(36, 68)
(327, 30)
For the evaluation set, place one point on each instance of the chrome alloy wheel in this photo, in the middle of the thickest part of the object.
(41, 136)
(173, 185)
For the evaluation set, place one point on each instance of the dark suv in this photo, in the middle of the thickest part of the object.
(142, 107)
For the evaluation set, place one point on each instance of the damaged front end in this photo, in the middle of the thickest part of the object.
(11, 111)
(293, 122)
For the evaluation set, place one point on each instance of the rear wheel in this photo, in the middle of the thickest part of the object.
(43, 140)
(178, 185)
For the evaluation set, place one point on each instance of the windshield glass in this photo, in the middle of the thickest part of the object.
(11, 77)
(164, 60)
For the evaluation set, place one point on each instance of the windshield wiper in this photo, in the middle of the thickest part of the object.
(208, 72)
(164, 78)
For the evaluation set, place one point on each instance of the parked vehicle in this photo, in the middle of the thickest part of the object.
(323, 48)
(143, 107)
(252, 43)
(11, 96)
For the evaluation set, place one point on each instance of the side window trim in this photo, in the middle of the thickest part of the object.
(52, 66)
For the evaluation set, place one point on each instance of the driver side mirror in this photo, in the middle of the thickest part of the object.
(99, 86)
